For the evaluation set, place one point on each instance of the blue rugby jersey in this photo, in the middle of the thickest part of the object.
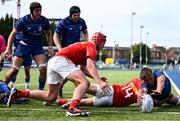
(167, 87)
(70, 32)
(17, 38)
(4, 89)
(32, 31)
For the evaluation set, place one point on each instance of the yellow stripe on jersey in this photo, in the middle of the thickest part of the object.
(134, 88)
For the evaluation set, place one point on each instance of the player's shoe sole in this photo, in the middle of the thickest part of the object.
(11, 97)
(72, 113)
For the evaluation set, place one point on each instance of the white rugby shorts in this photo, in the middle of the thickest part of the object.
(59, 68)
(103, 99)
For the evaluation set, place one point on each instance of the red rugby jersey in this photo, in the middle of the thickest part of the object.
(126, 94)
(79, 52)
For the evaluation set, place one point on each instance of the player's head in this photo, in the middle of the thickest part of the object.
(99, 39)
(146, 75)
(74, 13)
(33, 6)
(74, 9)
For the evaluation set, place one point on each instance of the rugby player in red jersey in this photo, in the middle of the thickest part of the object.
(119, 96)
(64, 66)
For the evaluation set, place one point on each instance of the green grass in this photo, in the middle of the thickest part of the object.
(35, 111)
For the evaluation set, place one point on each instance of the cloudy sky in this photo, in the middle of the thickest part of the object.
(160, 18)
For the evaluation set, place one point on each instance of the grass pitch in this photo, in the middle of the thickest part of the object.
(35, 111)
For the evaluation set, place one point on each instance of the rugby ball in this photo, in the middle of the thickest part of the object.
(147, 104)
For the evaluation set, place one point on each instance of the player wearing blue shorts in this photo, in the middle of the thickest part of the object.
(27, 64)
(70, 30)
(158, 86)
(33, 26)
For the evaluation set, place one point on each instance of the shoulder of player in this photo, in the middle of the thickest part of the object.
(81, 20)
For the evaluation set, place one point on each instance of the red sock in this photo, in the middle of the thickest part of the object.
(23, 94)
(62, 101)
(74, 103)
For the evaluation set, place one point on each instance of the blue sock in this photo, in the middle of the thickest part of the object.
(13, 79)
(42, 82)
(27, 79)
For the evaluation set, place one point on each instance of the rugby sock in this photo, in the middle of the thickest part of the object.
(42, 82)
(11, 84)
(74, 103)
(13, 79)
(23, 94)
(62, 101)
(27, 80)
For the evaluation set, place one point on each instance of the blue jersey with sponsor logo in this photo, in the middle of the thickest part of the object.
(32, 31)
(69, 31)
(167, 87)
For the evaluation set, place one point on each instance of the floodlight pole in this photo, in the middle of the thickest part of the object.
(146, 47)
(131, 60)
(140, 48)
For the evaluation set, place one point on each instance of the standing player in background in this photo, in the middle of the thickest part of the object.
(2, 49)
(26, 63)
(69, 31)
(64, 66)
(32, 26)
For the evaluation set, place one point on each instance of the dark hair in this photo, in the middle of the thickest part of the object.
(74, 9)
(145, 73)
(33, 6)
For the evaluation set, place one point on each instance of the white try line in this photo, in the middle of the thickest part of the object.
(96, 111)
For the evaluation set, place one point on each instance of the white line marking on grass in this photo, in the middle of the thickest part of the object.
(16, 85)
(100, 111)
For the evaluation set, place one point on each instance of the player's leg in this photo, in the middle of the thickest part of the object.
(61, 88)
(92, 89)
(13, 80)
(49, 96)
(17, 62)
(87, 102)
(67, 70)
(40, 59)
(27, 66)
(27, 76)
(174, 100)
(79, 78)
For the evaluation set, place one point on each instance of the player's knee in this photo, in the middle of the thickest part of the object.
(15, 68)
(43, 68)
(87, 83)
